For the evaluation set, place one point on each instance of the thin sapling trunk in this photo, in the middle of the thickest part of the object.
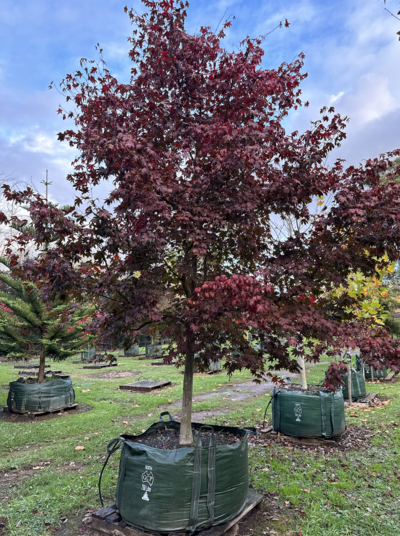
(186, 436)
(42, 364)
(303, 377)
(349, 379)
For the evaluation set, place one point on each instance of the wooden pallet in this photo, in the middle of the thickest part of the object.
(389, 377)
(108, 521)
(38, 413)
(268, 433)
(362, 402)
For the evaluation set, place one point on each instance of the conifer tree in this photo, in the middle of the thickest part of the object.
(30, 326)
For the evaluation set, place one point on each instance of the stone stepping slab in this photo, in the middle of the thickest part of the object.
(34, 366)
(99, 365)
(35, 372)
(144, 386)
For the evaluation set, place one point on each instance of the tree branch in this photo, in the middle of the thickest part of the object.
(172, 270)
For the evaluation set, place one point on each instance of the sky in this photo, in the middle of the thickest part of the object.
(352, 59)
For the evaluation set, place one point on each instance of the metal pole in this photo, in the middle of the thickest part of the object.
(349, 378)
(47, 183)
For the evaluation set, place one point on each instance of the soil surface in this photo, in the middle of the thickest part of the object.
(355, 437)
(48, 378)
(5, 416)
(169, 439)
(310, 388)
(110, 375)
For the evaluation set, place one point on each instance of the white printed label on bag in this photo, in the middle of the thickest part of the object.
(298, 411)
(147, 482)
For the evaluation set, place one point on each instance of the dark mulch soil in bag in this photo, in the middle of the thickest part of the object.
(169, 439)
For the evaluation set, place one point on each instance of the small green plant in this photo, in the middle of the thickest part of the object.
(30, 326)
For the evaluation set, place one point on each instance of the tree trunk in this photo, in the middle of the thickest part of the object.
(303, 377)
(186, 436)
(349, 364)
(42, 363)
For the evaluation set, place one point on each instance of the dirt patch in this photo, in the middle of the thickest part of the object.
(78, 523)
(355, 437)
(273, 519)
(67, 467)
(5, 416)
(12, 477)
(3, 525)
(111, 375)
(5, 387)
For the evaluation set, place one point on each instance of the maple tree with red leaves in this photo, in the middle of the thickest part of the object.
(201, 166)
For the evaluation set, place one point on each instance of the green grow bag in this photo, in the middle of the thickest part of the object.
(88, 354)
(213, 366)
(308, 413)
(134, 350)
(358, 389)
(188, 488)
(378, 374)
(52, 395)
(154, 350)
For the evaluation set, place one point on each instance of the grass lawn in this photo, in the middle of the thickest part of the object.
(345, 493)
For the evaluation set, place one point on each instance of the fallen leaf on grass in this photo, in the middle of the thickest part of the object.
(136, 406)
(265, 469)
(80, 447)
(86, 439)
(169, 400)
(258, 409)
(85, 391)
(39, 467)
(124, 422)
(230, 384)
(353, 415)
